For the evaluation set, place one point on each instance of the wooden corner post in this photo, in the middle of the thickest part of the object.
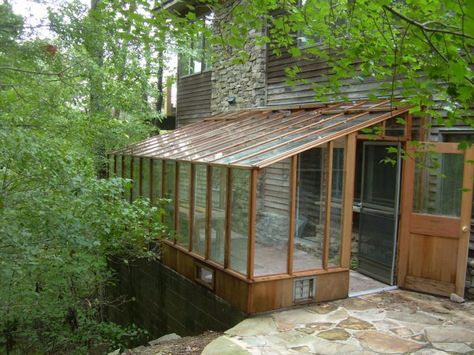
(348, 199)
(252, 223)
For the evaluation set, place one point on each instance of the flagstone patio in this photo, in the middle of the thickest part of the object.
(395, 322)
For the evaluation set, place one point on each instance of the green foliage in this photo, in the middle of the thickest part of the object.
(64, 103)
(420, 50)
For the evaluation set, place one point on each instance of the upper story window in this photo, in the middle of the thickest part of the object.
(198, 57)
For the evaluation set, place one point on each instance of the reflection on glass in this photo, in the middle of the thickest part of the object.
(182, 237)
(337, 194)
(273, 214)
(438, 183)
(218, 205)
(156, 179)
(199, 230)
(239, 219)
(111, 166)
(310, 209)
(126, 175)
(118, 165)
(136, 178)
(378, 175)
(146, 177)
(169, 192)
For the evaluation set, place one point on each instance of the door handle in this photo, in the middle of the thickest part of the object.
(465, 229)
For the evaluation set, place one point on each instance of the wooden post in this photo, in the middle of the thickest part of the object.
(191, 206)
(464, 233)
(348, 199)
(327, 221)
(252, 220)
(292, 217)
(115, 165)
(228, 218)
(208, 211)
(406, 204)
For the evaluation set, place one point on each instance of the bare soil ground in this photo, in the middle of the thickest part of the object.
(192, 345)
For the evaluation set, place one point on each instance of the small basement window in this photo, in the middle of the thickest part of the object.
(205, 276)
(304, 289)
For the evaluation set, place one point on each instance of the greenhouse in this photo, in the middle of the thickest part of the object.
(262, 200)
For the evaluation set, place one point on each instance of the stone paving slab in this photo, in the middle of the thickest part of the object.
(394, 322)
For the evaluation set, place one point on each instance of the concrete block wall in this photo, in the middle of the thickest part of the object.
(162, 301)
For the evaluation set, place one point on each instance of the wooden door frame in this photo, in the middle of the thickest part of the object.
(406, 207)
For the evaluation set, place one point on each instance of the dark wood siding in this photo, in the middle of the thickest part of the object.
(312, 71)
(193, 101)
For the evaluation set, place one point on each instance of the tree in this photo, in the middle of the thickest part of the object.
(59, 222)
(422, 50)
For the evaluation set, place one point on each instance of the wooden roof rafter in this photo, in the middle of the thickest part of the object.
(255, 138)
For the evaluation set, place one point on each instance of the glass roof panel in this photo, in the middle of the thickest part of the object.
(258, 137)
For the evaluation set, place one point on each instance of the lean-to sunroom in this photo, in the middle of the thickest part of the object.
(262, 199)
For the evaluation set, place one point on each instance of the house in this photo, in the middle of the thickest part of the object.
(276, 197)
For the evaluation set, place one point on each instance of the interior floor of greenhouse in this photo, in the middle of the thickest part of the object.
(272, 259)
(360, 284)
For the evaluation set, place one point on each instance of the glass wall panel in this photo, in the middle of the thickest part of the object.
(337, 195)
(182, 237)
(146, 177)
(218, 206)
(126, 175)
(200, 193)
(118, 172)
(438, 184)
(136, 178)
(273, 215)
(156, 188)
(239, 219)
(111, 166)
(310, 209)
(169, 192)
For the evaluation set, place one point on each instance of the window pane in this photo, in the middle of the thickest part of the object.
(337, 194)
(184, 61)
(157, 177)
(273, 211)
(146, 177)
(239, 219)
(378, 175)
(136, 178)
(119, 166)
(111, 166)
(438, 183)
(169, 192)
(219, 201)
(310, 213)
(126, 175)
(199, 232)
(182, 238)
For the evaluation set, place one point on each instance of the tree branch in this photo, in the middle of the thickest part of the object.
(423, 27)
(32, 71)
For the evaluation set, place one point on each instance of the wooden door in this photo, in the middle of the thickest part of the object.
(435, 222)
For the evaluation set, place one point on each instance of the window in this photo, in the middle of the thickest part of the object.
(218, 202)
(204, 275)
(197, 58)
(304, 289)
